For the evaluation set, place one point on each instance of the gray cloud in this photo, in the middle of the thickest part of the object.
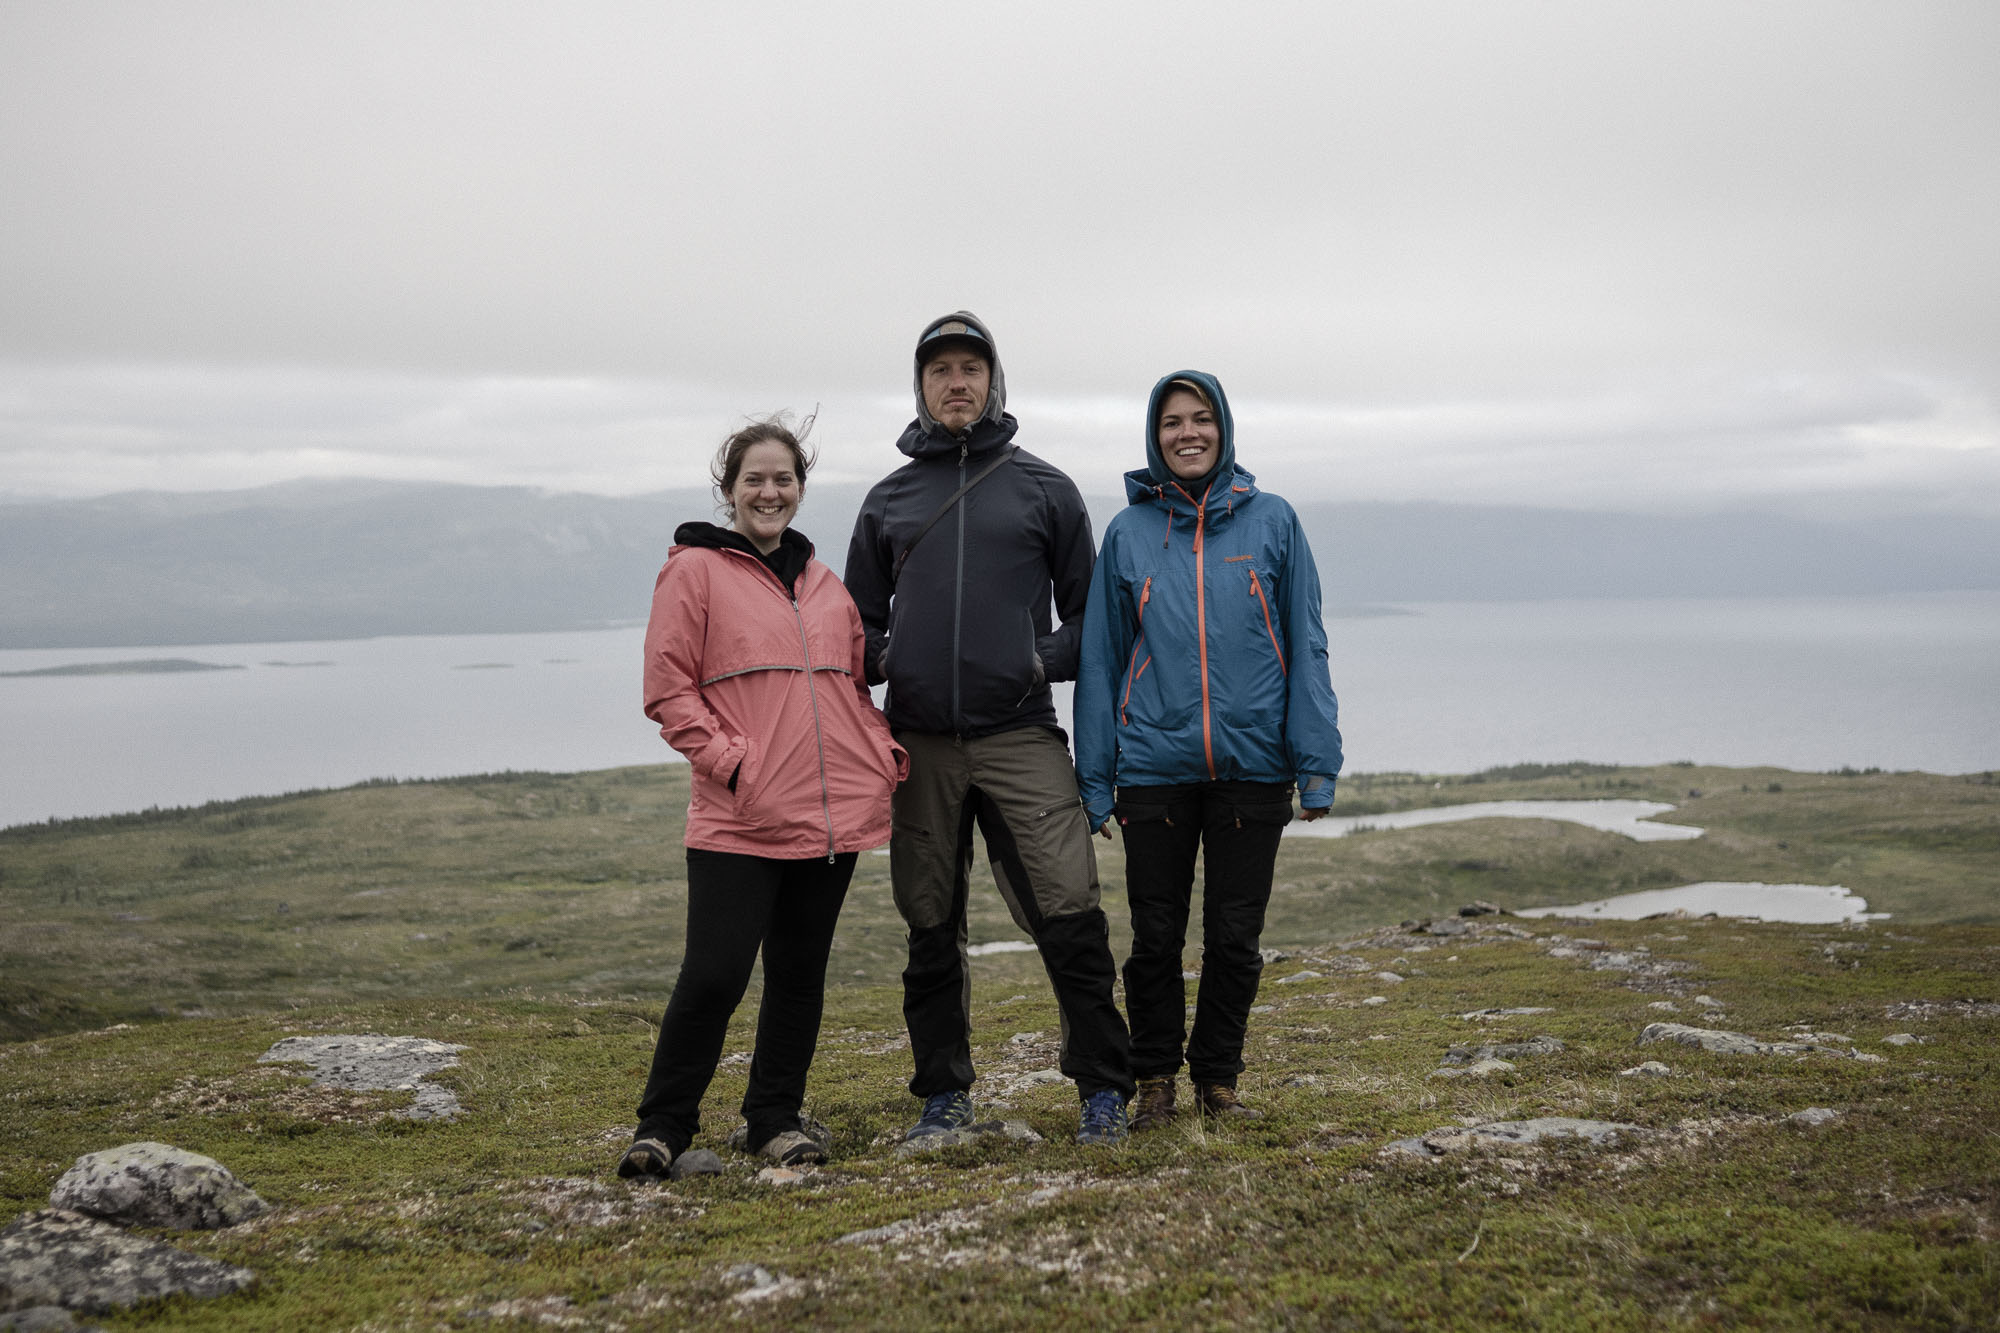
(1567, 253)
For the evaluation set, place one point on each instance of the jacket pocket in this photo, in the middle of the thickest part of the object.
(1263, 812)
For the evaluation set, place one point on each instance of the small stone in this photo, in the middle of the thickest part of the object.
(1376, 999)
(1650, 1069)
(1813, 1115)
(1302, 1081)
(1512, 1050)
(1271, 956)
(1307, 975)
(695, 1162)
(39, 1319)
(1449, 925)
(1477, 1069)
(1013, 1131)
(1388, 978)
(1480, 907)
(780, 1175)
(1709, 1002)
(1665, 1006)
(1190, 976)
(1482, 1015)
(58, 1257)
(1263, 1008)
(156, 1185)
(1867, 1058)
(1026, 1039)
(1901, 1039)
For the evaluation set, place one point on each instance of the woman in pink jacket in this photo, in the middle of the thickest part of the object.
(753, 671)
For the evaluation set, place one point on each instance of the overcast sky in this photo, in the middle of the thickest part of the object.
(1641, 256)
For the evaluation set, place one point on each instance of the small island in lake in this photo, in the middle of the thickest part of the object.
(150, 666)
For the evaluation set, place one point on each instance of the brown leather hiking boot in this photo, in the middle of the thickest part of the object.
(1154, 1104)
(1219, 1100)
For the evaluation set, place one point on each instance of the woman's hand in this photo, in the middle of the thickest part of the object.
(1316, 812)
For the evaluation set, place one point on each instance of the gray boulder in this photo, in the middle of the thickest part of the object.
(56, 1257)
(156, 1185)
(372, 1062)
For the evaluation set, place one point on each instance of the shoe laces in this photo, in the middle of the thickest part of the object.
(951, 1108)
(1103, 1111)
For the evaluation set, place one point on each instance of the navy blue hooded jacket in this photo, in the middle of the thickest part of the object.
(1204, 652)
(963, 636)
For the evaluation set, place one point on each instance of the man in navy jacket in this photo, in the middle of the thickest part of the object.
(955, 560)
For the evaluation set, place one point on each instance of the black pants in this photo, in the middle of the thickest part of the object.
(1236, 825)
(735, 905)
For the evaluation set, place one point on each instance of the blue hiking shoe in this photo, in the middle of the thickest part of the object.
(1104, 1119)
(943, 1112)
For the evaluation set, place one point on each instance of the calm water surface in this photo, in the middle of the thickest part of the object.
(1808, 683)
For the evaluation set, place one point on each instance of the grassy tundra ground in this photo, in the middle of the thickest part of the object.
(536, 920)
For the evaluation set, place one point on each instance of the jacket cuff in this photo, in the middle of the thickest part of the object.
(1316, 791)
(721, 756)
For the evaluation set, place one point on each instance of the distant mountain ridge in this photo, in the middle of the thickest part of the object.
(346, 559)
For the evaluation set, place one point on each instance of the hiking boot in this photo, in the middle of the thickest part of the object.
(1154, 1106)
(646, 1157)
(793, 1147)
(1104, 1119)
(1219, 1100)
(943, 1112)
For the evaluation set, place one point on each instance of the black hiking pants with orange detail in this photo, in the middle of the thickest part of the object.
(1235, 826)
(1019, 789)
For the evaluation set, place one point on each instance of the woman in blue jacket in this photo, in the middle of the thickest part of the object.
(1202, 701)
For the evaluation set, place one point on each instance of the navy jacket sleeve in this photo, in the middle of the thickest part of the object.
(1072, 556)
(868, 581)
(1312, 722)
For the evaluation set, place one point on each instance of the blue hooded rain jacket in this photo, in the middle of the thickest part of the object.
(1204, 653)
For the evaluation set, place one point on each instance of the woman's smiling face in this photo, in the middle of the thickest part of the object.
(1190, 440)
(766, 494)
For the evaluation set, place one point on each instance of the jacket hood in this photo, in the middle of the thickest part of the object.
(1157, 481)
(996, 394)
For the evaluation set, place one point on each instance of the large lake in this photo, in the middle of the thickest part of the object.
(1899, 682)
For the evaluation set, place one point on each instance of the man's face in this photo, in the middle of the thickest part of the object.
(956, 381)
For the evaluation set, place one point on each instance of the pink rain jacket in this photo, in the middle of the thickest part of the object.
(743, 680)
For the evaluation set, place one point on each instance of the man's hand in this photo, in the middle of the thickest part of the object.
(1104, 829)
(1316, 812)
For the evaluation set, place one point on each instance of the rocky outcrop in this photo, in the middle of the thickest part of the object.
(1509, 1134)
(372, 1062)
(58, 1257)
(1735, 1043)
(156, 1185)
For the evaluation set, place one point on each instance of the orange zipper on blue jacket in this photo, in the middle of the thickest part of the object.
(1257, 591)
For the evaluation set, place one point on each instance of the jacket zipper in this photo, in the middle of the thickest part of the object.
(958, 602)
(1257, 591)
(1132, 671)
(1201, 626)
(819, 737)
